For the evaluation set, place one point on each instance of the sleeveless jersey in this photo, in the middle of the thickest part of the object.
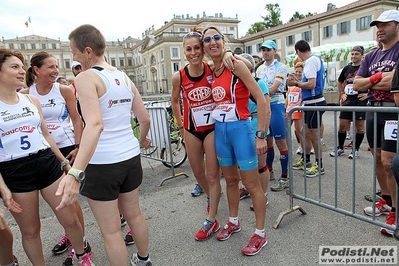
(231, 97)
(55, 114)
(117, 142)
(318, 90)
(197, 100)
(20, 129)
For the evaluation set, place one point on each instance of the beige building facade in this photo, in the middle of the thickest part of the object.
(151, 61)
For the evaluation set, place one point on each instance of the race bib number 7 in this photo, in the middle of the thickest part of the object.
(391, 130)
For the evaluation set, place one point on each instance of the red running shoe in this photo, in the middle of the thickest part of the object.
(207, 230)
(228, 230)
(390, 221)
(255, 244)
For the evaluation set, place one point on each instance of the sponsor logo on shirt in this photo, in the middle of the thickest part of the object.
(113, 103)
(25, 129)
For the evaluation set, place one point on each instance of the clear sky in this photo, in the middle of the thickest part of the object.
(118, 19)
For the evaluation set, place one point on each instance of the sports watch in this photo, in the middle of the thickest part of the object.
(78, 174)
(261, 134)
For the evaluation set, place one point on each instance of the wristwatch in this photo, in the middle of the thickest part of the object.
(261, 134)
(78, 174)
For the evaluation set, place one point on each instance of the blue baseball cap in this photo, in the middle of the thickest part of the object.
(268, 44)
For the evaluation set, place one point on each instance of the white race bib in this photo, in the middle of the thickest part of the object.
(57, 132)
(203, 115)
(391, 130)
(349, 90)
(293, 97)
(225, 112)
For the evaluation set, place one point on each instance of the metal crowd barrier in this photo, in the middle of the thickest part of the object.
(323, 190)
(166, 146)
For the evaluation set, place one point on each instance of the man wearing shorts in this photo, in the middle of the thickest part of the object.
(274, 74)
(375, 76)
(312, 85)
(350, 97)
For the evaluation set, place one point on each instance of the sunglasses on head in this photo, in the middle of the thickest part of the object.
(208, 39)
(192, 34)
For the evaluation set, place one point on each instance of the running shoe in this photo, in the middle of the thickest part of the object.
(255, 244)
(129, 238)
(348, 135)
(243, 193)
(315, 170)
(369, 197)
(135, 261)
(61, 246)
(337, 153)
(350, 156)
(348, 145)
(207, 230)
(228, 229)
(197, 191)
(280, 184)
(390, 221)
(85, 260)
(300, 165)
(272, 176)
(381, 207)
(299, 151)
(69, 260)
(123, 221)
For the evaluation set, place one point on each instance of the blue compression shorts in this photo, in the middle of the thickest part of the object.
(277, 121)
(235, 144)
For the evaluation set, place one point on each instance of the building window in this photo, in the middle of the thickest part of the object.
(67, 64)
(290, 40)
(161, 54)
(44, 46)
(363, 23)
(232, 28)
(33, 46)
(113, 63)
(344, 27)
(327, 32)
(129, 62)
(175, 53)
(176, 67)
(307, 35)
(182, 29)
(22, 46)
(248, 49)
(11, 46)
(53, 46)
(153, 60)
(163, 70)
(121, 62)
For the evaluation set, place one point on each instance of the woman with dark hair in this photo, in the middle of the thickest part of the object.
(30, 162)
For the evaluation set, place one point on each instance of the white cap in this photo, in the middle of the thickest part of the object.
(75, 64)
(386, 16)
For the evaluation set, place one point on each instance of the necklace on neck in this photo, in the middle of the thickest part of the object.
(220, 69)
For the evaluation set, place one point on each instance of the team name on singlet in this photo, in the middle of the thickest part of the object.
(5, 116)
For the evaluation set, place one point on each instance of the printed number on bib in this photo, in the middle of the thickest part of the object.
(293, 97)
(391, 130)
(202, 115)
(25, 144)
(225, 113)
(349, 90)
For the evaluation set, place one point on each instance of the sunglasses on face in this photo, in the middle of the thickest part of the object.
(216, 37)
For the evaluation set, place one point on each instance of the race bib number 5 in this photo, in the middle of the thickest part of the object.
(391, 130)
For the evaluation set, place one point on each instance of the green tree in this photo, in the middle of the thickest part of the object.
(271, 20)
(256, 27)
(297, 16)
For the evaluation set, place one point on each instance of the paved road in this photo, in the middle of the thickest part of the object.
(174, 216)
